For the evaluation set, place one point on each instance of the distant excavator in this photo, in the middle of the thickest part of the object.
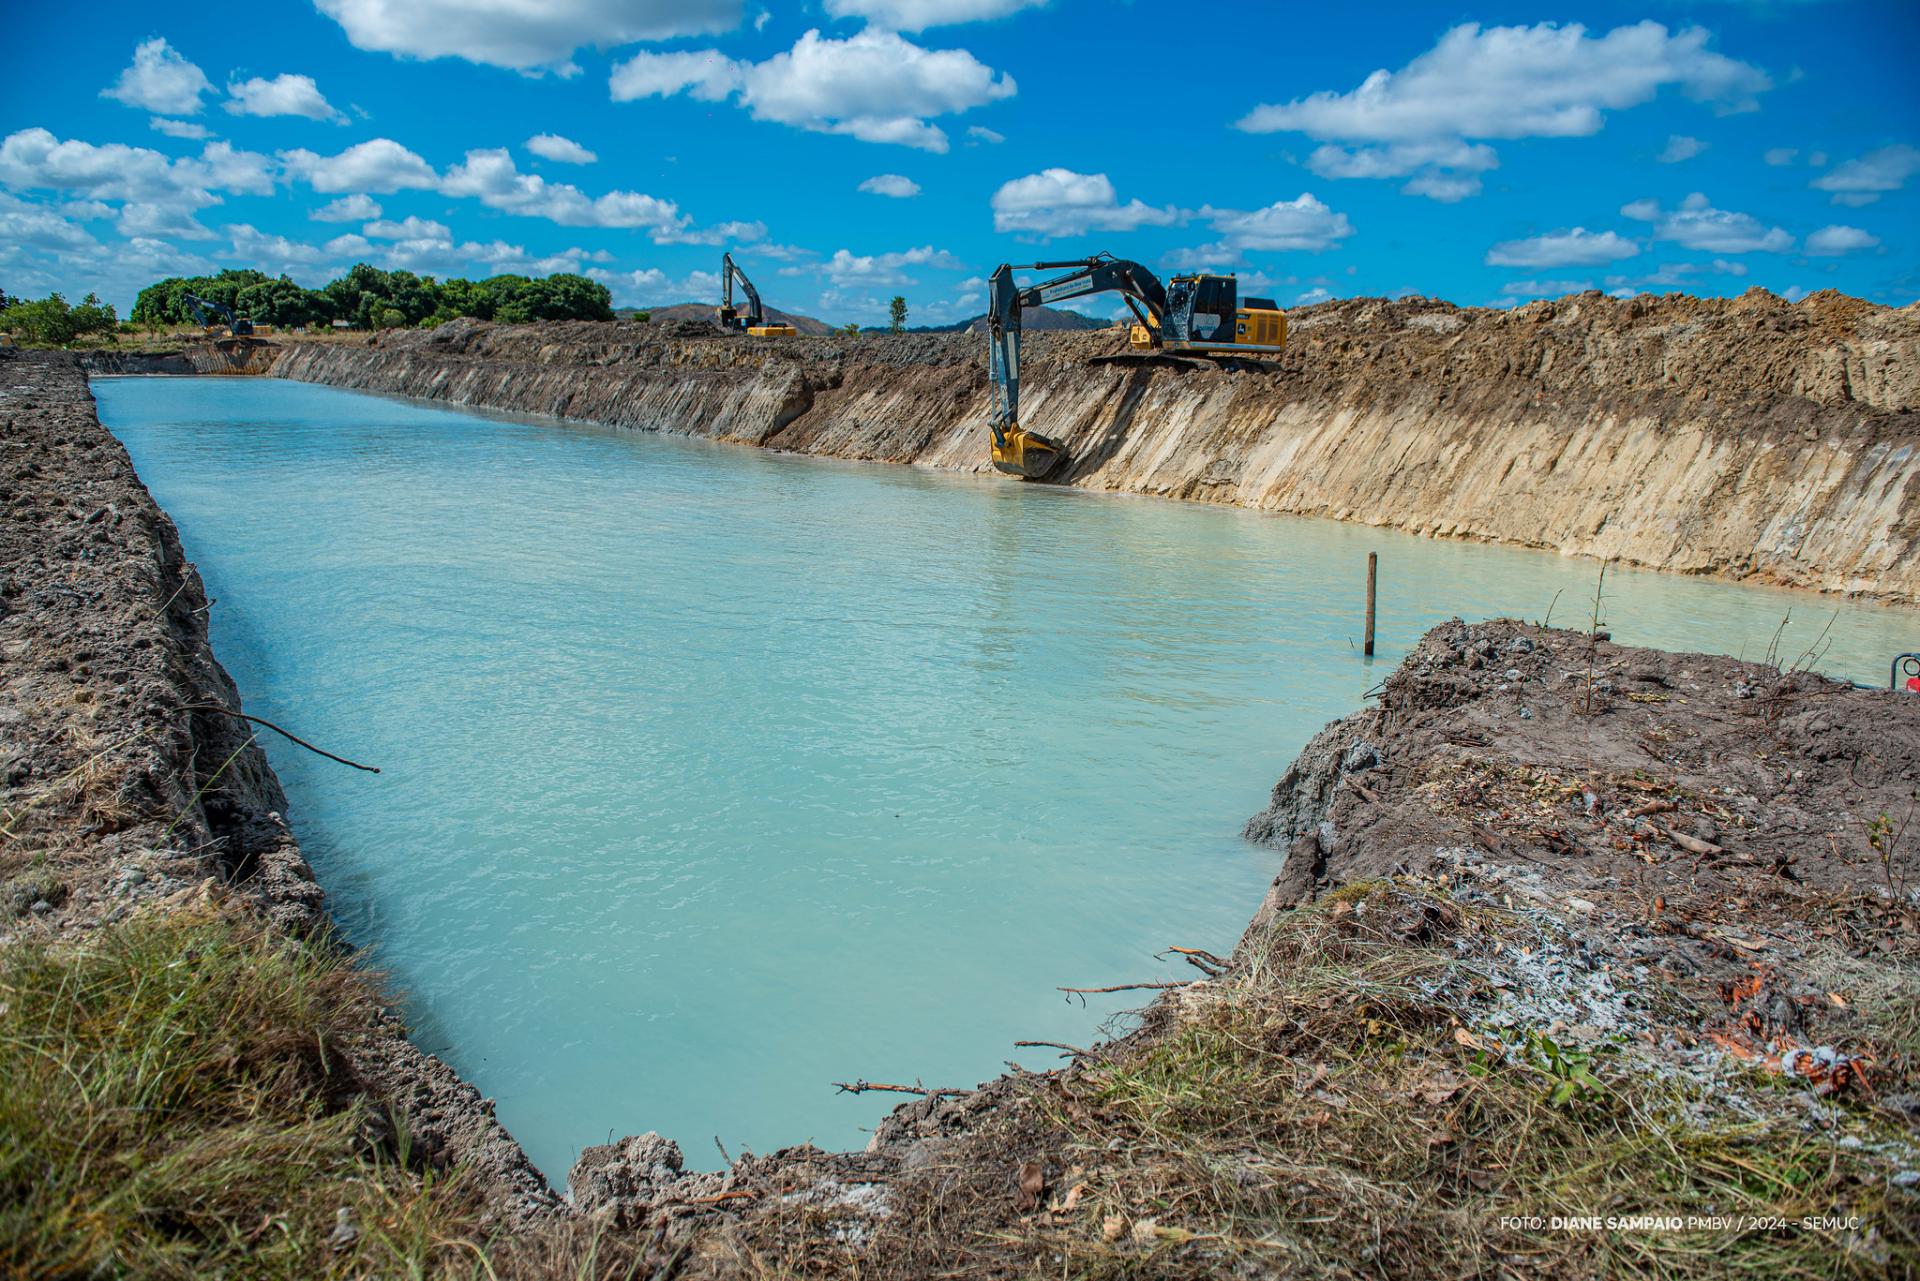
(755, 321)
(221, 314)
(1199, 313)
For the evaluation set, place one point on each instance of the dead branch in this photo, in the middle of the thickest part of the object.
(1129, 987)
(286, 734)
(1693, 844)
(1074, 1050)
(861, 1087)
(1201, 953)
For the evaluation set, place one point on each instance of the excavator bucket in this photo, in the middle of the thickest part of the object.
(1027, 453)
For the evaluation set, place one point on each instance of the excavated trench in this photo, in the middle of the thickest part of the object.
(1841, 455)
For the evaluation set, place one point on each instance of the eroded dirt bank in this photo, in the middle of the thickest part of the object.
(124, 779)
(1750, 438)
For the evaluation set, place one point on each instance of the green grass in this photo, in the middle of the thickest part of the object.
(1320, 1112)
(174, 1102)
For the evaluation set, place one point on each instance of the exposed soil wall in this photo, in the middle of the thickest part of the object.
(123, 775)
(1748, 438)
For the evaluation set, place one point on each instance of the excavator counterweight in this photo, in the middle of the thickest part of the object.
(1196, 313)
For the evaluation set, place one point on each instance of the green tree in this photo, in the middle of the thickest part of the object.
(850, 329)
(389, 318)
(53, 322)
(897, 314)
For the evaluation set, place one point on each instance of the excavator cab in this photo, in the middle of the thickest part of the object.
(1205, 313)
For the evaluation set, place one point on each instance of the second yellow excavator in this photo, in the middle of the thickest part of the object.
(754, 322)
(1200, 313)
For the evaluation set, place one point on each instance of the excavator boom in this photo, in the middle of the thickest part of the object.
(755, 321)
(1194, 313)
(238, 327)
(1016, 450)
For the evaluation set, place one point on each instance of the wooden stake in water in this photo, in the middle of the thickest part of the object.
(1373, 569)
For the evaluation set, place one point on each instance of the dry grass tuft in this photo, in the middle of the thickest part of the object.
(175, 1102)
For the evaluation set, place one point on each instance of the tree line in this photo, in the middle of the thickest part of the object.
(368, 298)
(53, 321)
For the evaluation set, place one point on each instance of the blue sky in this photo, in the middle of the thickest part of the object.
(848, 150)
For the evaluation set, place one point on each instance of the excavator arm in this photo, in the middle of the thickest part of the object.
(730, 318)
(222, 314)
(1016, 450)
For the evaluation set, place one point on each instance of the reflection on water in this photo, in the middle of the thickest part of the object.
(712, 777)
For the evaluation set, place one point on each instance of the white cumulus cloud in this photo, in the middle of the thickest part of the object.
(551, 146)
(1680, 147)
(354, 208)
(178, 128)
(1061, 202)
(1302, 225)
(523, 35)
(875, 85)
(1863, 180)
(489, 176)
(284, 95)
(160, 81)
(1830, 242)
(1696, 224)
(918, 15)
(896, 185)
(649, 286)
(411, 228)
(379, 164)
(846, 268)
(1543, 81)
(1577, 247)
(159, 194)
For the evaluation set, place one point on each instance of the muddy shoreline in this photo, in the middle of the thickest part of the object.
(1674, 861)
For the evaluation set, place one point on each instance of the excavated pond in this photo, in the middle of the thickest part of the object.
(711, 777)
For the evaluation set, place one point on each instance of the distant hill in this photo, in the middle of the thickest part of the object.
(705, 311)
(1030, 318)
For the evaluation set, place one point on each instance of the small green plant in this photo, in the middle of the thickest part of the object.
(1569, 1070)
(897, 314)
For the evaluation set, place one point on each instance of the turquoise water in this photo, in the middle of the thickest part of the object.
(712, 777)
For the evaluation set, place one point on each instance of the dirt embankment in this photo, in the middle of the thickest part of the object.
(198, 356)
(125, 777)
(1749, 438)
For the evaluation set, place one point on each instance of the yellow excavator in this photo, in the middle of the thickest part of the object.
(754, 322)
(1201, 313)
